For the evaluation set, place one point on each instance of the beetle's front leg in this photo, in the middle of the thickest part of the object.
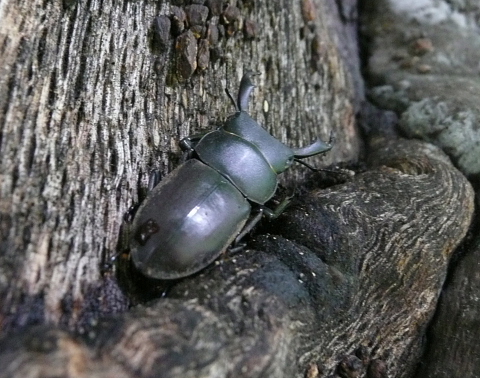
(188, 143)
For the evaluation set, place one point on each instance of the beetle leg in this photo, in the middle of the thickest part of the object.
(153, 180)
(263, 210)
(249, 226)
(235, 248)
(275, 213)
(188, 143)
(130, 213)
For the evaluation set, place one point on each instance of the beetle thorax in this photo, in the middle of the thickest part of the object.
(279, 156)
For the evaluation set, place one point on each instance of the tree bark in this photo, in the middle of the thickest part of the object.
(422, 63)
(97, 94)
(94, 95)
(452, 349)
(344, 283)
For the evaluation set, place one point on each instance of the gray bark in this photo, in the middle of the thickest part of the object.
(97, 94)
(345, 282)
(453, 349)
(423, 63)
(92, 98)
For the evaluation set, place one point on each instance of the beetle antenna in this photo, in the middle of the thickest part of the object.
(306, 165)
(338, 172)
(228, 58)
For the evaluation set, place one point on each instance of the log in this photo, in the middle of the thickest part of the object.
(97, 94)
(422, 63)
(452, 349)
(94, 95)
(345, 283)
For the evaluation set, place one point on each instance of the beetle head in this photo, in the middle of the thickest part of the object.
(279, 156)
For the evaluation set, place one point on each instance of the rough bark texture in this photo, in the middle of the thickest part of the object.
(345, 282)
(93, 95)
(452, 349)
(422, 64)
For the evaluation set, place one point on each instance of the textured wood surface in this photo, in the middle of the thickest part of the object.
(344, 282)
(94, 95)
(453, 349)
(421, 60)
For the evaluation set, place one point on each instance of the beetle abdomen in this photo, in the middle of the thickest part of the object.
(186, 222)
(241, 162)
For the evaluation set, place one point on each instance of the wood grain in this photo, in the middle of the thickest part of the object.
(90, 102)
(344, 282)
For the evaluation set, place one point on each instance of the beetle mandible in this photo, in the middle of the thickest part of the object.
(205, 204)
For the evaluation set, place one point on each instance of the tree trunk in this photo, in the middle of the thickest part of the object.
(94, 95)
(423, 65)
(343, 284)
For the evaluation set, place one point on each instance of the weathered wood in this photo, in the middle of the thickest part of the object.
(422, 61)
(453, 349)
(345, 281)
(93, 95)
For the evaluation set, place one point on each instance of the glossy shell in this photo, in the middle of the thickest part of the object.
(278, 155)
(241, 162)
(186, 222)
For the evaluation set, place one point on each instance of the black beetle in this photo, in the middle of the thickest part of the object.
(203, 206)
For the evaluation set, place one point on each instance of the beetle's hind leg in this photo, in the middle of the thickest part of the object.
(251, 223)
(153, 179)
